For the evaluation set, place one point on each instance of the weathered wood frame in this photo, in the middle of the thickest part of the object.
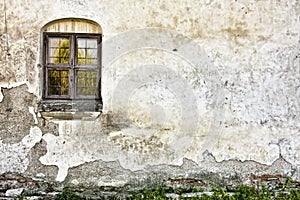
(72, 66)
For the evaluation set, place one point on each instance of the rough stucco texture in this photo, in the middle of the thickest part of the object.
(179, 79)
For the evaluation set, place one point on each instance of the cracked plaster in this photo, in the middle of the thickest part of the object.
(253, 46)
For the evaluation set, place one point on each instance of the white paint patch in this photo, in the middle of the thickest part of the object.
(14, 192)
(67, 149)
(1, 95)
(111, 183)
(246, 143)
(83, 141)
(13, 157)
(31, 110)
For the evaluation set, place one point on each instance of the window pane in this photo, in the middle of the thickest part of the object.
(59, 50)
(91, 43)
(87, 83)
(58, 82)
(92, 53)
(87, 51)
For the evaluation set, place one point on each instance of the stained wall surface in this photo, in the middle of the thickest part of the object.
(188, 87)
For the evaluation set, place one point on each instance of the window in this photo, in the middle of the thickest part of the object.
(71, 65)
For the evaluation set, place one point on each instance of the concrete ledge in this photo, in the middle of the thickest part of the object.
(88, 116)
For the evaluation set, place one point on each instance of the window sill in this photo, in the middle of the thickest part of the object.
(85, 116)
(70, 109)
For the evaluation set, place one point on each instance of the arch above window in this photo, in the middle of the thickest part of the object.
(72, 25)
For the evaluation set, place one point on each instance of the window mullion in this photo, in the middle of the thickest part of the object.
(72, 66)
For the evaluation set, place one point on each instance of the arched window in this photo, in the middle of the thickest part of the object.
(72, 60)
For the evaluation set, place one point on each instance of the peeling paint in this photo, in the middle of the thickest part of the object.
(31, 110)
(14, 156)
(212, 82)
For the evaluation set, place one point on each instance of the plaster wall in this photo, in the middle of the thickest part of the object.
(198, 85)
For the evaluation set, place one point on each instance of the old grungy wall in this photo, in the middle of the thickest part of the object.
(188, 87)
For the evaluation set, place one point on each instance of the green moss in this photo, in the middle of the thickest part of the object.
(68, 194)
(241, 192)
(238, 193)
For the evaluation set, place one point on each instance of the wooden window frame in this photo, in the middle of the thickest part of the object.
(73, 67)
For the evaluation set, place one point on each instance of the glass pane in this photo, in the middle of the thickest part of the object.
(92, 53)
(59, 50)
(87, 51)
(91, 43)
(58, 82)
(87, 83)
(81, 43)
